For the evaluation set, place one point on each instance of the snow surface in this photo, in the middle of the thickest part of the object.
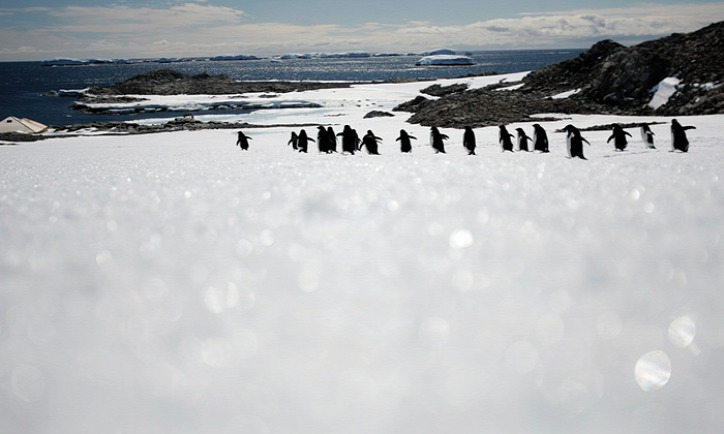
(171, 283)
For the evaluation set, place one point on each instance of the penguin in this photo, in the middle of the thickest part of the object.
(504, 139)
(679, 141)
(303, 141)
(575, 142)
(437, 140)
(404, 139)
(522, 140)
(294, 140)
(322, 140)
(349, 139)
(540, 139)
(619, 138)
(332, 138)
(356, 140)
(647, 136)
(469, 140)
(243, 141)
(370, 140)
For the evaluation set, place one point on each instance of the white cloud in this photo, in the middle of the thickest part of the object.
(195, 29)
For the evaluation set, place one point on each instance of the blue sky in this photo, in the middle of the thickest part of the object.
(43, 29)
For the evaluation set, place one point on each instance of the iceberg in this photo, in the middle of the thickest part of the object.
(445, 60)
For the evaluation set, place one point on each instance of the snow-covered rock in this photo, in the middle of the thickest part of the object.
(663, 92)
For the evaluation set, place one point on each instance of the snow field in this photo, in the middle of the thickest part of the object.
(173, 283)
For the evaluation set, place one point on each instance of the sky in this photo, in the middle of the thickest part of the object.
(47, 29)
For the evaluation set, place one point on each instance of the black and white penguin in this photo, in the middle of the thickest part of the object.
(303, 141)
(469, 140)
(437, 140)
(504, 139)
(322, 140)
(242, 141)
(349, 139)
(647, 136)
(522, 140)
(404, 139)
(371, 141)
(332, 138)
(679, 141)
(540, 139)
(619, 138)
(294, 140)
(575, 142)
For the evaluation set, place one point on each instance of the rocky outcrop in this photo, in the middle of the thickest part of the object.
(169, 82)
(609, 79)
(486, 107)
(625, 78)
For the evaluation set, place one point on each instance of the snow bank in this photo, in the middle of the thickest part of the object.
(567, 94)
(172, 283)
(663, 92)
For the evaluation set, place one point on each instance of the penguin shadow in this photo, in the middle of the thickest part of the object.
(628, 153)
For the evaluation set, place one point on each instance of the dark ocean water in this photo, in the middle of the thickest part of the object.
(24, 86)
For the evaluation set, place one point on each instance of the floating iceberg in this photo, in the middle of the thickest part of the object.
(445, 60)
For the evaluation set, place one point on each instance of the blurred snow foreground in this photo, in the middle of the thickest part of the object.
(171, 283)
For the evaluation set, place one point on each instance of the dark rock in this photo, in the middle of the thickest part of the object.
(377, 114)
(623, 78)
(412, 106)
(437, 90)
(169, 82)
(20, 137)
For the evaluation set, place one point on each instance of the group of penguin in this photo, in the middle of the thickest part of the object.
(327, 140)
